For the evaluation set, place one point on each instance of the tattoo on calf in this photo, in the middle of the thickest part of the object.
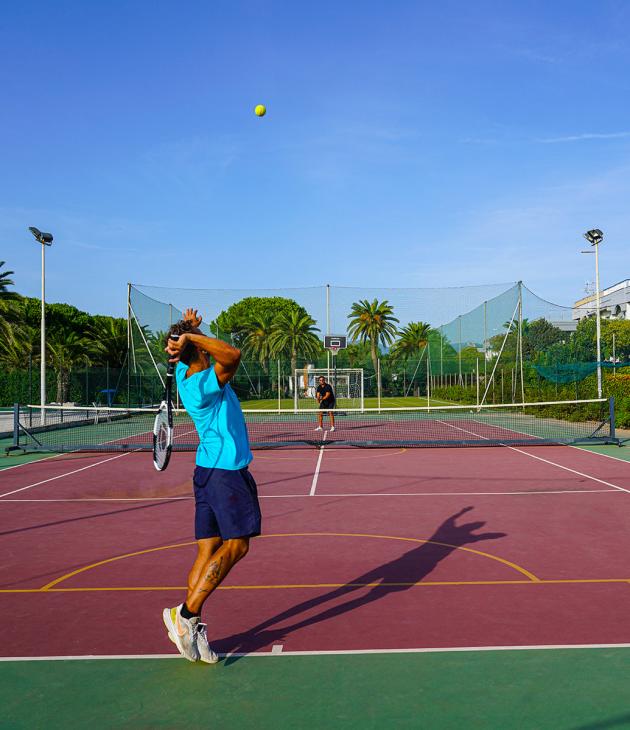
(213, 576)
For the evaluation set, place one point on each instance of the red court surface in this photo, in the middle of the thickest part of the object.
(362, 550)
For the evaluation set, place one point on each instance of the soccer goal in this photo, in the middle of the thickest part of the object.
(347, 384)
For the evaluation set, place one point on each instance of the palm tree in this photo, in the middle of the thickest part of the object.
(5, 281)
(411, 341)
(66, 349)
(17, 342)
(294, 334)
(109, 341)
(258, 332)
(372, 322)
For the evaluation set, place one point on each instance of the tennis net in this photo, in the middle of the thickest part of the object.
(119, 429)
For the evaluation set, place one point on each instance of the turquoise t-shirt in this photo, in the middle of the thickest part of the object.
(217, 415)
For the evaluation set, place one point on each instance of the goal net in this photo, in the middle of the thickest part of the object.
(347, 385)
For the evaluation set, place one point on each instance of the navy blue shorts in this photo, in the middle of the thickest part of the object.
(226, 503)
(328, 405)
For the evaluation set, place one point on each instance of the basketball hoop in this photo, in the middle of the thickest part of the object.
(333, 350)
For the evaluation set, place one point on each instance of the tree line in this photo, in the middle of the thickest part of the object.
(271, 328)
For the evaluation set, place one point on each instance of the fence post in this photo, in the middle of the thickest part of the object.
(279, 408)
(477, 381)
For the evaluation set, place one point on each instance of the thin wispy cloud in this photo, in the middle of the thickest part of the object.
(584, 136)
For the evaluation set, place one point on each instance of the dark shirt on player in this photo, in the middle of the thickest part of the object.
(321, 391)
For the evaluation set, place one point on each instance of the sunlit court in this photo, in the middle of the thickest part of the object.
(315, 366)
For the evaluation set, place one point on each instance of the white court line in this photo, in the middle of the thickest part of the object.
(586, 450)
(113, 499)
(333, 494)
(67, 474)
(574, 471)
(317, 467)
(34, 461)
(327, 652)
(546, 461)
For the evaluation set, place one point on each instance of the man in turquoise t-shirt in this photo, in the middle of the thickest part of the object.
(227, 512)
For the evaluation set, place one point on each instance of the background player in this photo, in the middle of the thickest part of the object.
(326, 399)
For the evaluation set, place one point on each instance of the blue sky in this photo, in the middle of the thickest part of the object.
(406, 144)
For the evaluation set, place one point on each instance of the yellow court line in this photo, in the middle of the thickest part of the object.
(283, 586)
(514, 566)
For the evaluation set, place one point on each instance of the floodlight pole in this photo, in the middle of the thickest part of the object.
(595, 237)
(42, 346)
(45, 239)
(599, 324)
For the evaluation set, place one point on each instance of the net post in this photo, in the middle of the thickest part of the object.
(16, 424)
(611, 414)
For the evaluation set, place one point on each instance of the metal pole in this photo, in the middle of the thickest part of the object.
(520, 337)
(362, 391)
(279, 405)
(327, 309)
(128, 346)
(42, 370)
(428, 378)
(460, 349)
(614, 355)
(378, 381)
(477, 381)
(599, 330)
(485, 340)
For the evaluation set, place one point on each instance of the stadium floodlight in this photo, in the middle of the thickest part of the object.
(595, 237)
(45, 239)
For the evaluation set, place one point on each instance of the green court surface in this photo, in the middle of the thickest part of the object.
(559, 689)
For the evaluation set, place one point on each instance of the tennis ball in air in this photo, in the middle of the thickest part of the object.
(260, 110)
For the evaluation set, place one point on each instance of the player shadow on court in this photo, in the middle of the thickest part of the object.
(394, 576)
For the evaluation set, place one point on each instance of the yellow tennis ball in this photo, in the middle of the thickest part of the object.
(260, 110)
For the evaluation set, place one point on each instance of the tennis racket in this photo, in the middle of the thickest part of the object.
(163, 425)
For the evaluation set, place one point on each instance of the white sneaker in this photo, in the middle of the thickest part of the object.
(206, 654)
(319, 428)
(332, 428)
(182, 632)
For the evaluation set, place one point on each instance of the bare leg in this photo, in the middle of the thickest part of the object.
(205, 550)
(332, 418)
(213, 571)
(320, 418)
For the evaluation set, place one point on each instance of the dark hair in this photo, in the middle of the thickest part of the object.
(180, 328)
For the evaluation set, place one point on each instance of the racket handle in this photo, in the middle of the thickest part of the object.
(171, 365)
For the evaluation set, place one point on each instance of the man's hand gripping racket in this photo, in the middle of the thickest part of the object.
(163, 425)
